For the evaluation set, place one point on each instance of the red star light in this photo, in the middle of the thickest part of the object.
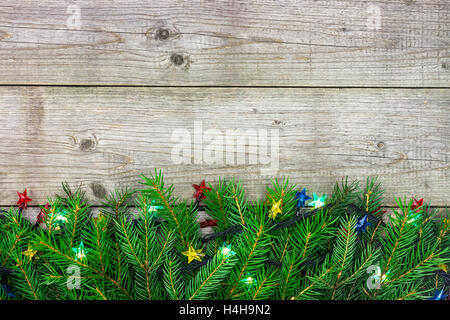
(417, 204)
(199, 190)
(23, 200)
(43, 213)
(208, 223)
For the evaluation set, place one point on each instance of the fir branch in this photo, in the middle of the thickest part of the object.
(27, 279)
(304, 293)
(400, 235)
(344, 250)
(172, 279)
(255, 247)
(156, 183)
(237, 200)
(216, 203)
(309, 254)
(283, 253)
(206, 280)
(56, 251)
(102, 294)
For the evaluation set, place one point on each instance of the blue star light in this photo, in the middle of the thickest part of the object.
(438, 295)
(301, 198)
(7, 290)
(362, 224)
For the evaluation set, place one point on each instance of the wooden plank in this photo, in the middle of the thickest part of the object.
(106, 137)
(401, 43)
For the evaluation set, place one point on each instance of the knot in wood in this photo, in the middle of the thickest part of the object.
(162, 34)
(87, 144)
(177, 59)
(98, 190)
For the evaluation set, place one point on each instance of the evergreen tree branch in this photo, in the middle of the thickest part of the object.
(206, 280)
(54, 250)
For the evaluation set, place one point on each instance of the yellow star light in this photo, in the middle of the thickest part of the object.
(100, 217)
(30, 253)
(275, 209)
(446, 222)
(193, 254)
(444, 267)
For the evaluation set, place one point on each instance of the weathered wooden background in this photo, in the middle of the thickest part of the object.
(92, 92)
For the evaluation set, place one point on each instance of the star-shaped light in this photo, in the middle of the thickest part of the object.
(417, 204)
(43, 213)
(80, 252)
(443, 267)
(249, 281)
(153, 210)
(208, 223)
(384, 276)
(413, 217)
(30, 253)
(446, 222)
(301, 198)
(58, 218)
(61, 218)
(7, 290)
(193, 254)
(226, 250)
(318, 202)
(100, 217)
(23, 200)
(276, 209)
(362, 224)
(438, 295)
(198, 195)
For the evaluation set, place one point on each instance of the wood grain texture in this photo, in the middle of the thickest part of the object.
(226, 43)
(106, 137)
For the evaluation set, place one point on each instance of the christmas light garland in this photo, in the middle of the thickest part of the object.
(196, 258)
